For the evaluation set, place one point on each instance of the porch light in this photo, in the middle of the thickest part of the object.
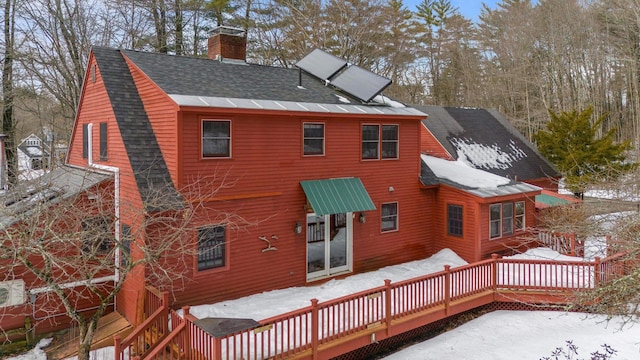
(298, 228)
(363, 218)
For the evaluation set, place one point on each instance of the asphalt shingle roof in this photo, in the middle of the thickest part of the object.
(149, 167)
(486, 140)
(181, 75)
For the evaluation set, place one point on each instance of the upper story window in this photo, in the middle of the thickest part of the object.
(85, 141)
(454, 220)
(211, 247)
(216, 138)
(97, 235)
(389, 219)
(313, 138)
(103, 141)
(379, 142)
(506, 218)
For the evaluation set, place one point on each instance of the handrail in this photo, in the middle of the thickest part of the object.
(308, 331)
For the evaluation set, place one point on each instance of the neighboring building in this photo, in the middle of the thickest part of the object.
(33, 155)
(300, 181)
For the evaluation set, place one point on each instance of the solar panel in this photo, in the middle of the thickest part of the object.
(321, 64)
(360, 83)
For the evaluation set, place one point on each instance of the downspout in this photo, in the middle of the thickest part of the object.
(116, 194)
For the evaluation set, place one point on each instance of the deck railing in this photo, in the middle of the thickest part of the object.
(332, 327)
(150, 332)
(565, 244)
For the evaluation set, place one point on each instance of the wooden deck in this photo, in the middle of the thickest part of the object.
(108, 326)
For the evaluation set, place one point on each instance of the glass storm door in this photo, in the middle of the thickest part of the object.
(328, 244)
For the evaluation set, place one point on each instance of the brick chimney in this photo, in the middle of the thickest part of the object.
(227, 43)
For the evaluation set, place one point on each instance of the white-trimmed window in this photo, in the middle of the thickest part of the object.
(379, 142)
(495, 220)
(211, 247)
(389, 218)
(507, 218)
(313, 138)
(216, 138)
(519, 216)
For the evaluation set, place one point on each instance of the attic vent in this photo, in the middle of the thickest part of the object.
(11, 293)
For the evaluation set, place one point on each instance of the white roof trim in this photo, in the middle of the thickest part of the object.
(192, 100)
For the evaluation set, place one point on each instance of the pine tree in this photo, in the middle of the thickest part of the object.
(572, 144)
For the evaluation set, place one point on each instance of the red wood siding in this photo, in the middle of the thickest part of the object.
(431, 146)
(464, 246)
(266, 168)
(505, 243)
(545, 183)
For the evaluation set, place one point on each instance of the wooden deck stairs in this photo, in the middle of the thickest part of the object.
(108, 326)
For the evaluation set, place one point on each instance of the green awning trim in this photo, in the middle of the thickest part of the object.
(551, 200)
(336, 196)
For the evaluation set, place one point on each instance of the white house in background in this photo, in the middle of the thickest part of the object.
(33, 155)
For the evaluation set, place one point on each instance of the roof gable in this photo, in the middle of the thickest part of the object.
(148, 165)
(486, 140)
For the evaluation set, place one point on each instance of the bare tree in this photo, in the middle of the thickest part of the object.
(8, 117)
(74, 248)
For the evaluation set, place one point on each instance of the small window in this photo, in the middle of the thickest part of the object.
(389, 141)
(389, 216)
(216, 139)
(507, 219)
(370, 141)
(519, 217)
(125, 248)
(97, 235)
(313, 134)
(454, 220)
(85, 141)
(495, 224)
(103, 141)
(93, 73)
(211, 247)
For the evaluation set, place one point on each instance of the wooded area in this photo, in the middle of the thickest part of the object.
(520, 58)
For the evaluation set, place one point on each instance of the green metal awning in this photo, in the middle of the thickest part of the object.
(336, 196)
(549, 200)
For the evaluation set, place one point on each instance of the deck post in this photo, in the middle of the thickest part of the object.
(217, 348)
(165, 314)
(314, 329)
(187, 332)
(596, 272)
(116, 347)
(387, 304)
(494, 275)
(572, 238)
(447, 288)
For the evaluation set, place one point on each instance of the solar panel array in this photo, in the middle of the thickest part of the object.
(354, 80)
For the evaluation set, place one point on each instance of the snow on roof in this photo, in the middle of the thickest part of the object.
(488, 157)
(461, 173)
(475, 181)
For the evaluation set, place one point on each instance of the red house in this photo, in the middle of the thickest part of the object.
(304, 174)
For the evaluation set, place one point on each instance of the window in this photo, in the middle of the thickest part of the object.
(519, 219)
(370, 140)
(211, 247)
(313, 138)
(389, 216)
(103, 141)
(454, 220)
(495, 213)
(507, 219)
(216, 138)
(125, 248)
(97, 235)
(85, 141)
(379, 146)
(389, 141)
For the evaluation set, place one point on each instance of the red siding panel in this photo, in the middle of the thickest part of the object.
(431, 146)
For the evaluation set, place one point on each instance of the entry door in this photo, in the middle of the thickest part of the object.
(329, 239)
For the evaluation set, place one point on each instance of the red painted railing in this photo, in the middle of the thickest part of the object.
(150, 332)
(565, 244)
(313, 332)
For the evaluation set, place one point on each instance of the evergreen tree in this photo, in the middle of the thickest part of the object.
(572, 144)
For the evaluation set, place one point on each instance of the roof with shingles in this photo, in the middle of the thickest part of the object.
(149, 167)
(486, 140)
